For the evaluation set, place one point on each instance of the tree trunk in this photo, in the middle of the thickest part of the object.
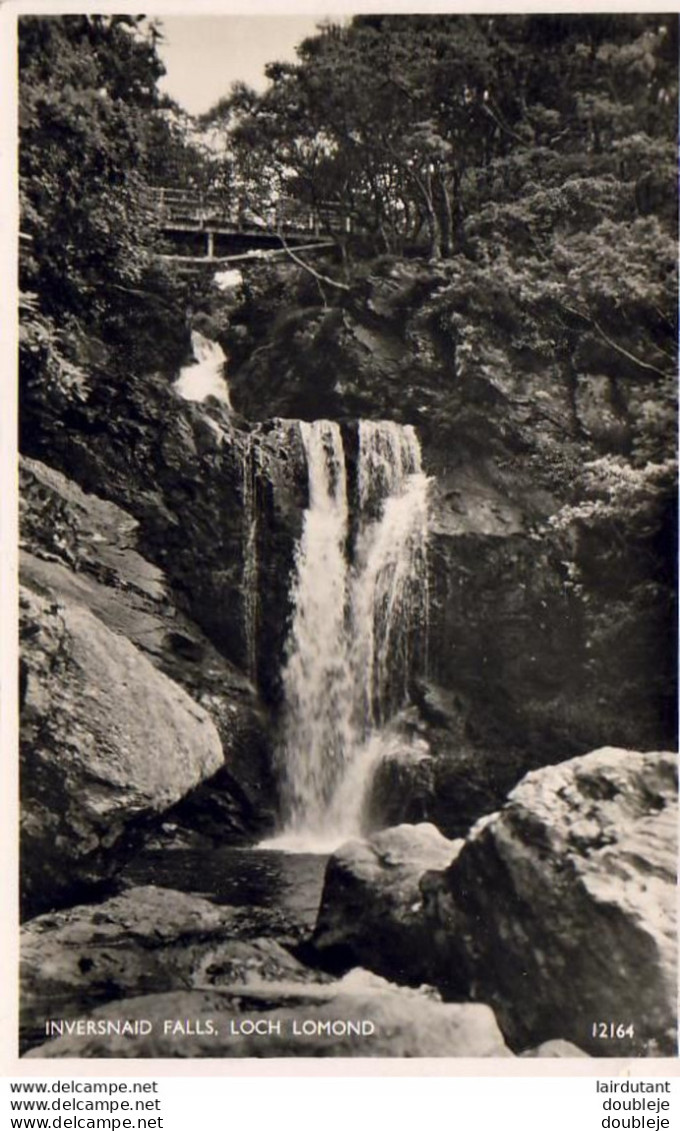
(385, 237)
(431, 219)
(446, 221)
(457, 235)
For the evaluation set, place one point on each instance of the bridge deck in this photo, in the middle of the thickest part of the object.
(189, 212)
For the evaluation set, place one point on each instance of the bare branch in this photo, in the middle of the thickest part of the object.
(301, 263)
(499, 122)
(614, 345)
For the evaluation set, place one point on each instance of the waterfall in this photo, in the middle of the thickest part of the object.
(204, 376)
(358, 627)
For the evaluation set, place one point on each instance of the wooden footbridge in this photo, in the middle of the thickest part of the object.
(207, 225)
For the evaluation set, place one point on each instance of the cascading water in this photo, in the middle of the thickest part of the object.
(204, 376)
(317, 725)
(358, 628)
(389, 582)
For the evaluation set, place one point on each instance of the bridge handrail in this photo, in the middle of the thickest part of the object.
(199, 206)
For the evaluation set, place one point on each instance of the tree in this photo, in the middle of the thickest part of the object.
(416, 123)
(86, 104)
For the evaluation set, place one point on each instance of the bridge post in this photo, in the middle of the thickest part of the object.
(210, 245)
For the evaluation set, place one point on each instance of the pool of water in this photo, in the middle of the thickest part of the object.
(286, 882)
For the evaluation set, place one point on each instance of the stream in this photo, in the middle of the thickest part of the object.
(286, 884)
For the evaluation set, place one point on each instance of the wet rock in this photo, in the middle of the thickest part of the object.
(146, 940)
(107, 742)
(560, 910)
(361, 1016)
(60, 523)
(371, 911)
(432, 771)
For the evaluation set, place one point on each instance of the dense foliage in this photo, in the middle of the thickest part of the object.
(93, 128)
(86, 92)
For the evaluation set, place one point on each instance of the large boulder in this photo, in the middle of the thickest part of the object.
(560, 910)
(146, 940)
(80, 547)
(371, 911)
(358, 1016)
(107, 742)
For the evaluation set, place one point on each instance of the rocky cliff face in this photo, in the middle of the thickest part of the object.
(548, 636)
(371, 910)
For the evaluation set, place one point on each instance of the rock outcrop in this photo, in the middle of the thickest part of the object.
(371, 911)
(107, 742)
(195, 477)
(360, 1016)
(560, 910)
(148, 940)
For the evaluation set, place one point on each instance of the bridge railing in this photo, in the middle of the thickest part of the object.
(187, 205)
(210, 209)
